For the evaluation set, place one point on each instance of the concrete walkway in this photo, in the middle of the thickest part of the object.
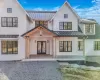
(37, 70)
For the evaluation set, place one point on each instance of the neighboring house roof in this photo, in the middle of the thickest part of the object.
(87, 21)
(41, 15)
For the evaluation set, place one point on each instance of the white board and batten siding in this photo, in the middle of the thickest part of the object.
(59, 17)
(17, 11)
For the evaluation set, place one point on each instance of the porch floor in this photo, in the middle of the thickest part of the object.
(43, 57)
(40, 56)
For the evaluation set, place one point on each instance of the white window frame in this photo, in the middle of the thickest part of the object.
(94, 45)
(89, 33)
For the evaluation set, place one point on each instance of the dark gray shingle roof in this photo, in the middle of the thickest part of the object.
(41, 15)
(69, 33)
(9, 36)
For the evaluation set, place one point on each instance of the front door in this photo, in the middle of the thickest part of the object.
(41, 47)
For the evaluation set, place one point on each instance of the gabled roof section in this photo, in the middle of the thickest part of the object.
(36, 28)
(70, 8)
(88, 21)
(41, 15)
(23, 10)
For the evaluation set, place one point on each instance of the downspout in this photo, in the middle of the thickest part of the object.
(84, 54)
(55, 47)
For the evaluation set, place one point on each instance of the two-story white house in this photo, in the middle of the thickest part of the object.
(60, 34)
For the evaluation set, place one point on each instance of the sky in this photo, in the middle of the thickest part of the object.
(84, 8)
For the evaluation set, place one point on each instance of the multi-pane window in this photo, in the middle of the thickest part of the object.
(9, 47)
(9, 22)
(65, 46)
(9, 10)
(65, 25)
(97, 45)
(65, 15)
(89, 28)
(80, 45)
(41, 23)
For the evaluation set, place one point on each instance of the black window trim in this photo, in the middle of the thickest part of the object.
(8, 10)
(79, 44)
(40, 23)
(7, 48)
(67, 46)
(65, 16)
(96, 46)
(63, 26)
(7, 21)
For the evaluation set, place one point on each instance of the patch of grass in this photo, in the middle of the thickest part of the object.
(70, 73)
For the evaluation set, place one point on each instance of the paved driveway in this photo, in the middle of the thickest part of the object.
(30, 70)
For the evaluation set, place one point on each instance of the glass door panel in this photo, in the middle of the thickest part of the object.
(41, 47)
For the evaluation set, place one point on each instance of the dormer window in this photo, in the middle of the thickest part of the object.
(89, 28)
(9, 10)
(41, 23)
(65, 15)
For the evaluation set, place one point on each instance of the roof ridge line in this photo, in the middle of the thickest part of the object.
(41, 11)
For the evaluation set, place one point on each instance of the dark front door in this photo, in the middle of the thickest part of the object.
(41, 47)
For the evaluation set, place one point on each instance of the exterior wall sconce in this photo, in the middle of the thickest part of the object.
(47, 41)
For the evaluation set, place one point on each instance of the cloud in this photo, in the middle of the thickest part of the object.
(44, 9)
(25, 2)
(91, 12)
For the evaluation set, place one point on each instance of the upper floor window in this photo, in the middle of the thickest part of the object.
(65, 25)
(97, 45)
(80, 45)
(65, 46)
(65, 15)
(9, 10)
(41, 23)
(9, 22)
(89, 28)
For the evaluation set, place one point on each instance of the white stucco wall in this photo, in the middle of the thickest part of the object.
(21, 50)
(82, 26)
(74, 46)
(30, 25)
(89, 48)
(33, 45)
